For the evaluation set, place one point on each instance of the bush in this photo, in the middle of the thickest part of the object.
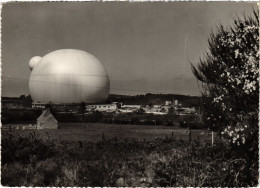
(18, 115)
(192, 122)
(26, 149)
(229, 74)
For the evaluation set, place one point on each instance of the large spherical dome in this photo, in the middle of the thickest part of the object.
(68, 76)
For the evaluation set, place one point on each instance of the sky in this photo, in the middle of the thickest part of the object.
(146, 47)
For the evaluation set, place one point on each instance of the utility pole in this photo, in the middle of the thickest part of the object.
(212, 138)
(189, 133)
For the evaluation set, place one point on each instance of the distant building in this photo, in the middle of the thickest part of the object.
(157, 109)
(102, 107)
(126, 110)
(39, 105)
(129, 108)
(47, 121)
(70, 107)
(188, 110)
(168, 103)
(11, 103)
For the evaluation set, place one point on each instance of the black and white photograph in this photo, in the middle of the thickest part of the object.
(129, 94)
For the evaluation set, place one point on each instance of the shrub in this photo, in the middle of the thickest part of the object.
(229, 74)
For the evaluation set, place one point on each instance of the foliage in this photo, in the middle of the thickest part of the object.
(26, 149)
(33, 161)
(19, 115)
(230, 81)
(192, 122)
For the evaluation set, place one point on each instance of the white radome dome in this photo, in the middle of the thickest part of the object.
(34, 61)
(68, 76)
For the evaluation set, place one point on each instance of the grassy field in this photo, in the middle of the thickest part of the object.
(94, 132)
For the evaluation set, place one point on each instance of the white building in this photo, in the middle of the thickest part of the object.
(102, 107)
(47, 121)
(168, 103)
(131, 106)
(188, 110)
(39, 105)
(156, 109)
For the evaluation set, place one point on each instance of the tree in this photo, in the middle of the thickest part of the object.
(22, 97)
(172, 111)
(140, 111)
(82, 108)
(229, 75)
(49, 105)
(28, 101)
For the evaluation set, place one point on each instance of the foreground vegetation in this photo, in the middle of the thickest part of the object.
(34, 161)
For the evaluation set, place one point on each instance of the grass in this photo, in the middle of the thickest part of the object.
(94, 132)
